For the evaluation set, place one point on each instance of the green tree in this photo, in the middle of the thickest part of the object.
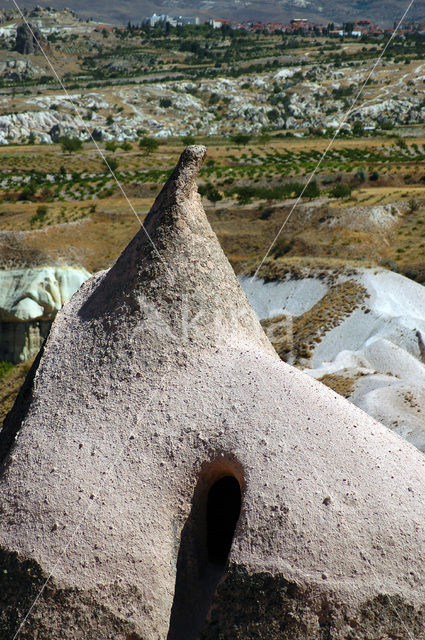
(28, 192)
(245, 194)
(341, 191)
(111, 164)
(312, 190)
(358, 129)
(69, 144)
(360, 175)
(210, 192)
(148, 145)
(241, 138)
(165, 103)
(187, 140)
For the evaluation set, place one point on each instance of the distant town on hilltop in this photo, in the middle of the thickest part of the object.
(300, 26)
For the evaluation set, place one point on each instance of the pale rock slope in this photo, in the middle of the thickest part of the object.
(29, 300)
(174, 479)
(375, 344)
(37, 293)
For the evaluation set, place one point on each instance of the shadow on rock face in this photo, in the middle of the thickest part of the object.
(205, 545)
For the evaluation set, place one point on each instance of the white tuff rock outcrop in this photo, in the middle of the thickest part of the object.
(29, 301)
(37, 293)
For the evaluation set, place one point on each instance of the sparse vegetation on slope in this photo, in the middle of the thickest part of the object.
(11, 380)
(294, 338)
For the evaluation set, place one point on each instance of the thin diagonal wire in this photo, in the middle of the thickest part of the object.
(102, 155)
(86, 513)
(342, 122)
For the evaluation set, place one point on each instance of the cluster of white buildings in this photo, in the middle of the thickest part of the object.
(172, 20)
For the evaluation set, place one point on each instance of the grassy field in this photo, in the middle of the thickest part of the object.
(70, 208)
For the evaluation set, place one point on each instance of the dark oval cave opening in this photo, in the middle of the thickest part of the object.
(223, 509)
(205, 543)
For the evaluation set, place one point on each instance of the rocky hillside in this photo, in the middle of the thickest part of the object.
(121, 84)
(359, 331)
(293, 98)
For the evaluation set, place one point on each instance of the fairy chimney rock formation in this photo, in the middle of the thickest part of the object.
(28, 39)
(172, 478)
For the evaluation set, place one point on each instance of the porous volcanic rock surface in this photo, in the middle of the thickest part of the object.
(155, 383)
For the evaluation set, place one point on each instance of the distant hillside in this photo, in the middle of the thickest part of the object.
(383, 12)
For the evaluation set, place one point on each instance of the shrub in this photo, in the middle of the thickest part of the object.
(111, 145)
(148, 145)
(165, 103)
(374, 176)
(312, 190)
(273, 115)
(211, 192)
(358, 129)
(413, 205)
(360, 175)
(241, 138)
(214, 99)
(187, 140)
(96, 135)
(39, 215)
(282, 247)
(42, 211)
(390, 264)
(112, 162)
(69, 144)
(341, 191)
(266, 213)
(5, 367)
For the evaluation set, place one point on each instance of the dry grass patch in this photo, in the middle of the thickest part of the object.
(294, 337)
(279, 331)
(341, 384)
(10, 385)
(338, 303)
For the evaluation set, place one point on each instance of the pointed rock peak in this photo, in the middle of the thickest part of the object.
(181, 184)
(174, 265)
(172, 203)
